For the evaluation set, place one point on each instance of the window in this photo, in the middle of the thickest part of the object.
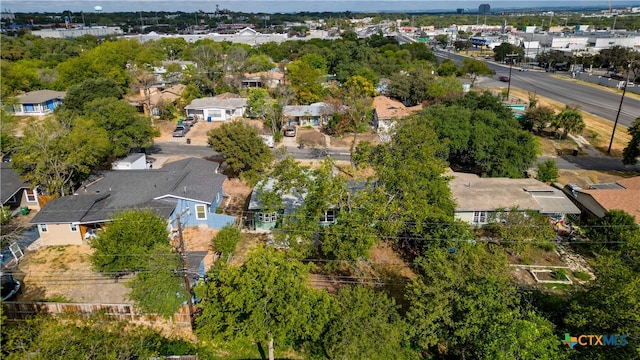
(43, 228)
(31, 195)
(480, 217)
(329, 216)
(73, 227)
(201, 212)
(216, 114)
(268, 217)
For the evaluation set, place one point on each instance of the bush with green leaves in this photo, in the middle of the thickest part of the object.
(227, 239)
(548, 171)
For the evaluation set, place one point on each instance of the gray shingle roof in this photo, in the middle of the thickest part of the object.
(40, 96)
(10, 182)
(155, 189)
(67, 209)
(216, 103)
(315, 109)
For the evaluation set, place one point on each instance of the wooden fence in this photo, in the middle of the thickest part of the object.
(22, 310)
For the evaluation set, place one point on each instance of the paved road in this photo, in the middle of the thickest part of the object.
(169, 149)
(567, 162)
(593, 100)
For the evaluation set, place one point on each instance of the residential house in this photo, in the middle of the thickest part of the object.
(262, 219)
(189, 188)
(316, 114)
(37, 103)
(477, 199)
(269, 79)
(223, 107)
(147, 101)
(386, 112)
(622, 195)
(16, 193)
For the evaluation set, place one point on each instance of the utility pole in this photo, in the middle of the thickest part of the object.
(615, 124)
(185, 268)
(510, 56)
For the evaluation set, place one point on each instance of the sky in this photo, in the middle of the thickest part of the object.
(276, 6)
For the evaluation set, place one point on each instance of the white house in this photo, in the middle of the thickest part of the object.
(223, 107)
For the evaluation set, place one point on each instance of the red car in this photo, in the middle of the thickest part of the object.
(504, 78)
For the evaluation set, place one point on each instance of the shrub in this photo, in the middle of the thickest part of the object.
(581, 275)
(227, 239)
(560, 274)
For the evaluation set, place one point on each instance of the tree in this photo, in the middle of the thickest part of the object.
(442, 40)
(59, 153)
(366, 325)
(306, 82)
(91, 89)
(244, 150)
(159, 287)
(226, 240)
(614, 230)
(127, 242)
(462, 302)
(126, 128)
(608, 305)
(547, 171)
(266, 299)
(447, 68)
(480, 134)
(258, 102)
(518, 229)
(356, 95)
(538, 118)
(632, 150)
(475, 68)
(501, 52)
(570, 120)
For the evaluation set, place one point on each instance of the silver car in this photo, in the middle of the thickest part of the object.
(180, 131)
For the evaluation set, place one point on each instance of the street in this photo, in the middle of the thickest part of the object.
(593, 100)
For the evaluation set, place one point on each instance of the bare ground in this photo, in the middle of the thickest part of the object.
(64, 272)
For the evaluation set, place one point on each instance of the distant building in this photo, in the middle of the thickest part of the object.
(484, 9)
(98, 31)
(460, 11)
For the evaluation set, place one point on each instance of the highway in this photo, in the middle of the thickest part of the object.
(593, 100)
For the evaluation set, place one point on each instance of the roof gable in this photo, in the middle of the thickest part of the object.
(10, 182)
(40, 96)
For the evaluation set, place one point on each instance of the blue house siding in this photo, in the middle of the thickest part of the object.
(193, 217)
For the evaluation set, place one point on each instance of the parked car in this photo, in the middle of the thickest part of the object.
(190, 120)
(290, 131)
(10, 286)
(180, 130)
(504, 78)
(524, 69)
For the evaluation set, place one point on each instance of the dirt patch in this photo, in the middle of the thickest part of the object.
(311, 138)
(237, 194)
(198, 132)
(345, 141)
(64, 273)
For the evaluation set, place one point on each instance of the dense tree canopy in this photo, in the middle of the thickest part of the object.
(59, 153)
(245, 152)
(481, 135)
(266, 299)
(127, 241)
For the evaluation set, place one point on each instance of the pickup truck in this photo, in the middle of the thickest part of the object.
(180, 130)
